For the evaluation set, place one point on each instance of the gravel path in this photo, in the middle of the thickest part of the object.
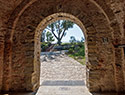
(61, 67)
(62, 75)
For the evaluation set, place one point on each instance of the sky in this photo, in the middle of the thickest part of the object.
(75, 31)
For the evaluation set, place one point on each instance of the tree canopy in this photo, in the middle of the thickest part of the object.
(49, 37)
(72, 39)
(59, 29)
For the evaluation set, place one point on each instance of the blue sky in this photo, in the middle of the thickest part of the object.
(75, 31)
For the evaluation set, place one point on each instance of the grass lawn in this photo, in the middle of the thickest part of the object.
(80, 59)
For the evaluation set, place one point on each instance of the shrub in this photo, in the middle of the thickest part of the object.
(44, 46)
(77, 49)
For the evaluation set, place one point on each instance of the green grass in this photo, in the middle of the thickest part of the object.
(80, 59)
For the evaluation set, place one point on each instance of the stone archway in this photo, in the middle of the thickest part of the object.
(20, 41)
(48, 20)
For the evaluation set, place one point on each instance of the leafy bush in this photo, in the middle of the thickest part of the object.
(77, 49)
(71, 51)
(45, 46)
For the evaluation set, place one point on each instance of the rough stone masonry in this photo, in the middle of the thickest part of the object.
(21, 25)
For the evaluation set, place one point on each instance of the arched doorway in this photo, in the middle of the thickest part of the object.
(23, 52)
(50, 19)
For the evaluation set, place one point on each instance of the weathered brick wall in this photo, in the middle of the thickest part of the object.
(104, 28)
(1, 57)
(119, 39)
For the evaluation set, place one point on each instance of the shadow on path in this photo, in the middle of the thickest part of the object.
(63, 83)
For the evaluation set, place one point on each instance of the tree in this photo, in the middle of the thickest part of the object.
(82, 39)
(43, 36)
(72, 39)
(49, 37)
(59, 29)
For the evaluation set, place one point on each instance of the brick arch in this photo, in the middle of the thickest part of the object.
(99, 36)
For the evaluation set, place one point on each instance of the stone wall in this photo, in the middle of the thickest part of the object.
(21, 24)
(1, 57)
